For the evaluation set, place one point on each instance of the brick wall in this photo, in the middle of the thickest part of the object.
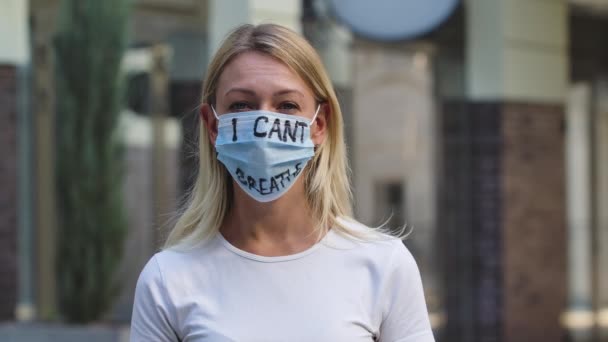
(503, 213)
(534, 221)
(471, 219)
(8, 191)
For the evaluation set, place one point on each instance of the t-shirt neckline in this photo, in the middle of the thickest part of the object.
(270, 259)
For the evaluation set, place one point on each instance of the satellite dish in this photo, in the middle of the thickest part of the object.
(391, 20)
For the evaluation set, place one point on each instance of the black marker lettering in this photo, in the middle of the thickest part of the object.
(234, 129)
(288, 174)
(282, 176)
(273, 185)
(276, 127)
(255, 127)
(298, 170)
(263, 190)
(251, 182)
(241, 176)
(303, 125)
(267, 186)
(287, 131)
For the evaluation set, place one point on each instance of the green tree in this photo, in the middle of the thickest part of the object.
(89, 46)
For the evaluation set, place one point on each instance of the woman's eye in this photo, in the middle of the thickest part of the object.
(239, 106)
(288, 106)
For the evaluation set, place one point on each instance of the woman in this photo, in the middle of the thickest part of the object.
(267, 249)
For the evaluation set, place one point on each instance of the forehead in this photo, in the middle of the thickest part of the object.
(261, 73)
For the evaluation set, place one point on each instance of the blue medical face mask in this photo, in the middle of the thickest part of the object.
(265, 152)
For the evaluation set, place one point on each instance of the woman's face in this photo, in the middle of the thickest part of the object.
(255, 81)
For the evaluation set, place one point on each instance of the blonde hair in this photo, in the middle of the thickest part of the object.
(326, 177)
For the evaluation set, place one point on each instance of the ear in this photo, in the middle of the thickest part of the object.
(319, 129)
(210, 122)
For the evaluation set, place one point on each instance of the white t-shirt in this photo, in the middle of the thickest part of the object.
(338, 290)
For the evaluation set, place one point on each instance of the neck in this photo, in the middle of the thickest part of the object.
(281, 227)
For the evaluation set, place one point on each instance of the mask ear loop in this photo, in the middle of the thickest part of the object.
(215, 113)
(312, 121)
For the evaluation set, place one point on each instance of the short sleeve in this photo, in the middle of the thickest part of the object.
(152, 310)
(405, 316)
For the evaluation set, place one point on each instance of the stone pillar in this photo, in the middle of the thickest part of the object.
(504, 176)
(390, 95)
(579, 318)
(394, 146)
(43, 18)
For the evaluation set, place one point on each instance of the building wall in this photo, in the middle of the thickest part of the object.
(471, 221)
(8, 194)
(14, 57)
(534, 235)
(394, 147)
(503, 214)
(392, 91)
(517, 75)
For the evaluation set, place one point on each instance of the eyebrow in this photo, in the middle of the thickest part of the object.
(252, 93)
(288, 91)
(240, 90)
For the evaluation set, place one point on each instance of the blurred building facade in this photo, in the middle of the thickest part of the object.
(486, 135)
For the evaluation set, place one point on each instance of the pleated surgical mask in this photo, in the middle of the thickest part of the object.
(265, 152)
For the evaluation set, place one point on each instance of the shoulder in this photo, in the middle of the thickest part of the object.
(400, 297)
(170, 269)
(154, 315)
(152, 276)
(178, 264)
(153, 272)
(373, 242)
(383, 255)
(150, 273)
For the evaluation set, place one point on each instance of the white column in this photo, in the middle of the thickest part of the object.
(601, 204)
(579, 209)
(517, 50)
(14, 32)
(282, 12)
(333, 43)
(225, 15)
